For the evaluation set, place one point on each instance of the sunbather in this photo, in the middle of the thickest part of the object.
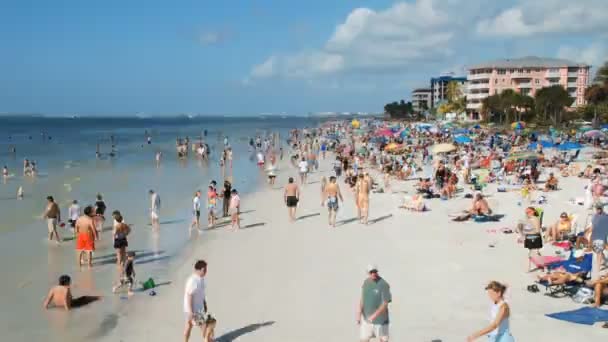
(559, 228)
(480, 207)
(415, 203)
(569, 271)
(551, 183)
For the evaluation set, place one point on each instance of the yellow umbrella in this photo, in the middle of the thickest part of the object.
(391, 146)
(355, 123)
(443, 148)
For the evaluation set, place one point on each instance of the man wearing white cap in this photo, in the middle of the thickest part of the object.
(372, 315)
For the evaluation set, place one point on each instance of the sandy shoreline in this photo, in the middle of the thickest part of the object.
(301, 282)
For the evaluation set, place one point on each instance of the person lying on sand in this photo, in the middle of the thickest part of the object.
(551, 183)
(414, 203)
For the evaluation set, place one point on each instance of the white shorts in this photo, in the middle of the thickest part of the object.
(51, 224)
(154, 214)
(370, 330)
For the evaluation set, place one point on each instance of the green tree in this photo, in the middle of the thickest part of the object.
(551, 102)
(596, 95)
(456, 100)
(602, 74)
(491, 108)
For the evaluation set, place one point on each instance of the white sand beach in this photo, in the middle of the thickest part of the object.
(276, 281)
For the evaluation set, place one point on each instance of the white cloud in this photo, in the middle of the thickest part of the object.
(595, 54)
(547, 16)
(372, 40)
(266, 69)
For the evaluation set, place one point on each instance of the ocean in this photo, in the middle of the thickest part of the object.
(64, 151)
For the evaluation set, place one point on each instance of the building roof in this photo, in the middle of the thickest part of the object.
(448, 78)
(422, 90)
(526, 62)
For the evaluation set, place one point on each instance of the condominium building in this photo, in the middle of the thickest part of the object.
(439, 88)
(421, 99)
(525, 75)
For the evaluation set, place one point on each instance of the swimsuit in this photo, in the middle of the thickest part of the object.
(85, 242)
(292, 201)
(332, 203)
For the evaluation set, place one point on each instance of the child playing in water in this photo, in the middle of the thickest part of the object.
(127, 275)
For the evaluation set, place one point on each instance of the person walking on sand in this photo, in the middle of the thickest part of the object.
(154, 209)
(196, 211)
(195, 301)
(86, 234)
(498, 330)
(234, 210)
(226, 198)
(211, 205)
(73, 214)
(332, 194)
(291, 197)
(372, 314)
(303, 168)
(121, 232)
(52, 214)
(362, 190)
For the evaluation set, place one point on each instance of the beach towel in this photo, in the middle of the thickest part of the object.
(585, 315)
(544, 261)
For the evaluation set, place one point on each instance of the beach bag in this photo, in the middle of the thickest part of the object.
(149, 284)
(584, 295)
(533, 241)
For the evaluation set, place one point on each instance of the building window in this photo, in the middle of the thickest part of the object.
(521, 71)
(537, 81)
(512, 70)
(502, 71)
(496, 81)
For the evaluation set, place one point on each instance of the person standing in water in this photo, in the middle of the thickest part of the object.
(234, 209)
(86, 234)
(291, 197)
(498, 330)
(211, 205)
(73, 214)
(332, 194)
(196, 211)
(52, 214)
(226, 198)
(154, 208)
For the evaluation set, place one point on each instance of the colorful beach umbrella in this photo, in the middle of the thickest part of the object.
(392, 147)
(355, 123)
(443, 148)
(569, 146)
(595, 134)
(518, 125)
(384, 133)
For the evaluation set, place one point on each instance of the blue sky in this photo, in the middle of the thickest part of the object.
(248, 57)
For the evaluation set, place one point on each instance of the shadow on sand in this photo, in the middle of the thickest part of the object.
(111, 258)
(381, 218)
(254, 225)
(233, 335)
(308, 216)
(81, 301)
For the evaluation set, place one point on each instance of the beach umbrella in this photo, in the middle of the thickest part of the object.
(477, 126)
(443, 148)
(384, 133)
(568, 145)
(355, 123)
(543, 143)
(404, 133)
(463, 139)
(461, 131)
(392, 147)
(518, 125)
(595, 134)
(585, 128)
(524, 156)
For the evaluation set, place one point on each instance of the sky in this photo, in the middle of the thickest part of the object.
(268, 56)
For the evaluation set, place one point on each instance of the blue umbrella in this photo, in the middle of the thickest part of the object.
(461, 131)
(569, 146)
(543, 143)
(462, 139)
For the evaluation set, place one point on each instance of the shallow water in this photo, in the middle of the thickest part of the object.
(69, 170)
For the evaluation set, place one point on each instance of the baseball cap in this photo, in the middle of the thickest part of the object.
(372, 267)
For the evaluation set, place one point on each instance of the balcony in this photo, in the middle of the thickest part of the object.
(520, 75)
(477, 96)
(553, 74)
(473, 105)
(572, 85)
(473, 77)
(524, 85)
(479, 86)
(572, 73)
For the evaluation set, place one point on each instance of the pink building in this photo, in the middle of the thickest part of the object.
(525, 75)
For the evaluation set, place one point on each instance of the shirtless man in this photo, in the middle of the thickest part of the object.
(86, 234)
(332, 193)
(52, 214)
(480, 206)
(292, 197)
(60, 295)
(362, 190)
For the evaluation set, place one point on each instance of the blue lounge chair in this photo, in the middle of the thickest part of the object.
(568, 289)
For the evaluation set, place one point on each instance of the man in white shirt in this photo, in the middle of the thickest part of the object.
(195, 303)
(196, 210)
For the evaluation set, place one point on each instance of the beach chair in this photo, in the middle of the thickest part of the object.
(568, 289)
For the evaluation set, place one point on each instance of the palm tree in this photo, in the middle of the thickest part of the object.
(602, 74)
(595, 95)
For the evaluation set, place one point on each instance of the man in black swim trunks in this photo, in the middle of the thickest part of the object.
(292, 197)
(100, 210)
